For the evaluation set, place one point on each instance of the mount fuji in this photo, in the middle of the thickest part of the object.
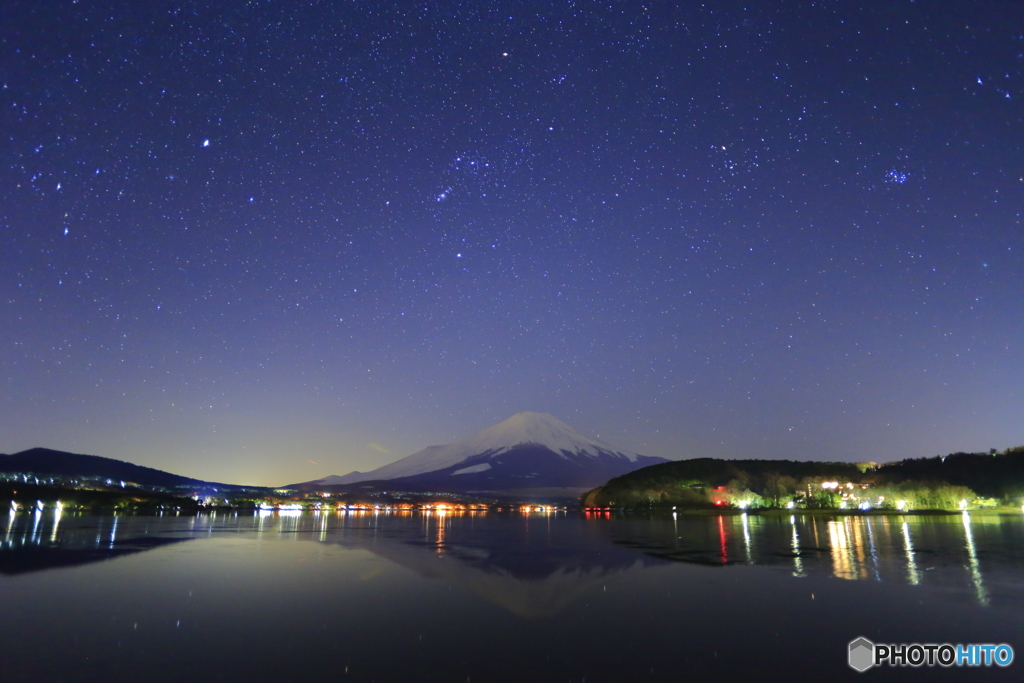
(526, 451)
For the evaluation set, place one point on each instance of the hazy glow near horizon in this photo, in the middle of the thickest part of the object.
(269, 243)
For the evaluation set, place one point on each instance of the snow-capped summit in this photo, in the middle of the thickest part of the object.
(526, 450)
(542, 429)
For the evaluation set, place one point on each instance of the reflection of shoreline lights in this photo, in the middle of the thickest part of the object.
(912, 574)
(722, 540)
(871, 546)
(746, 536)
(846, 540)
(860, 547)
(10, 523)
(975, 566)
(441, 513)
(839, 542)
(56, 521)
(798, 565)
(35, 526)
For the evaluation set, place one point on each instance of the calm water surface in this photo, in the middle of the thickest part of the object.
(498, 597)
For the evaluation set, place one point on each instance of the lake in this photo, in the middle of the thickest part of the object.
(476, 597)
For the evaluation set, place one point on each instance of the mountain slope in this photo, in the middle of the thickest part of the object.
(527, 450)
(47, 462)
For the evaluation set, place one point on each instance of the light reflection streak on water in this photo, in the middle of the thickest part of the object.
(113, 531)
(10, 526)
(798, 563)
(839, 543)
(913, 576)
(849, 558)
(746, 535)
(56, 522)
(872, 549)
(860, 547)
(975, 567)
(722, 541)
(288, 522)
(37, 516)
(261, 515)
(440, 531)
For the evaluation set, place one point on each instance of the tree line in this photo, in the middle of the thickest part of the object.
(955, 481)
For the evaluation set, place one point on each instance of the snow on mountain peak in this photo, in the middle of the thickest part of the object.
(540, 429)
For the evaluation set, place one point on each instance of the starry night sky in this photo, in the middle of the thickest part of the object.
(263, 242)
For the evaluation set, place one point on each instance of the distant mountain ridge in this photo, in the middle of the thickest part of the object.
(528, 450)
(48, 462)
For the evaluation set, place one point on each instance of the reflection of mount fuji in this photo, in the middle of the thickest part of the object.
(530, 566)
(51, 540)
(32, 557)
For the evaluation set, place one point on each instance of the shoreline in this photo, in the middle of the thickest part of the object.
(780, 512)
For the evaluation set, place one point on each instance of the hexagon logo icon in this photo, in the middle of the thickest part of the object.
(862, 654)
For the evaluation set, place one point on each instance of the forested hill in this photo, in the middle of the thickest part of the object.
(45, 462)
(992, 474)
(703, 481)
(686, 482)
(714, 472)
